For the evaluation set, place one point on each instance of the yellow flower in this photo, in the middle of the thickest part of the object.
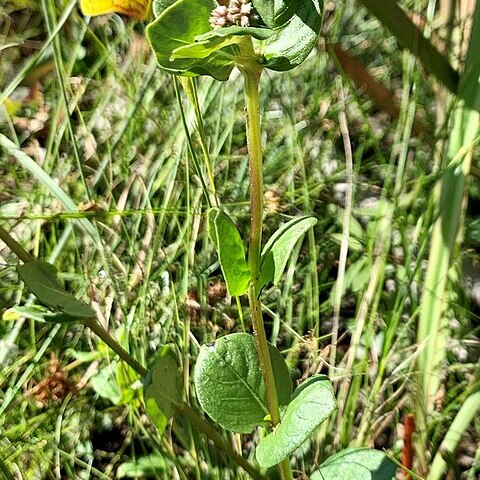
(133, 8)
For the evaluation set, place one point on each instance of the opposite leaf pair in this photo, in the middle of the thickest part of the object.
(185, 43)
(231, 252)
(231, 390)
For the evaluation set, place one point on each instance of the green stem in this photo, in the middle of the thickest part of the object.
(15, 247)
(251, 73)
(190, 87)
(256, 207)
(98, 330)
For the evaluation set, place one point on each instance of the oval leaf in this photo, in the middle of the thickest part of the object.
(292, 42)
(163, 388)
(278, 249)
(177, 26)
(231, 252)
(355, 463)
(229, 382)
(41, 279)
(106, 385)
(312, 404)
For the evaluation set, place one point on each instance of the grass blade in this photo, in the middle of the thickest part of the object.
(468, 411)
(37, 171)
(464, 135)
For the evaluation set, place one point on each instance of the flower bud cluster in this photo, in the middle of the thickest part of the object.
(238, 13)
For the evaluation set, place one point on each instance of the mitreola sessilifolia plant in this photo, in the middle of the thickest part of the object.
(241, 380)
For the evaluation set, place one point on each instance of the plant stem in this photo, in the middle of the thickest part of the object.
(15, 247)
(251, 73)
(256, 207)
(98, 330)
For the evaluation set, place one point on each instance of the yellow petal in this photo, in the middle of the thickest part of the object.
(133, 8)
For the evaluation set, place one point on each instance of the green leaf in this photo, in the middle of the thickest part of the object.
(354, 244)
(118, 383)
(229, 382)
(292, 42)
(163, 390)
(105, 384)
(275, 12)
(41, 279)
(278, 249)
(202, 49)
(148, 466)
(355, 463)
(231, 253)
(177, 26)
(255, 32)
(37, 313)
(312, 404)
(158, 6)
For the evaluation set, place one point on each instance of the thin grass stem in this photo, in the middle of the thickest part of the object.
(342, 261)
(191, 149)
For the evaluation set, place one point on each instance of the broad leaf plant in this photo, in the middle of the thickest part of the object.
(242, 382)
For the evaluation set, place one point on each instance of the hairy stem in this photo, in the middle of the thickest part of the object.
(256, 207)
(251, 74)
